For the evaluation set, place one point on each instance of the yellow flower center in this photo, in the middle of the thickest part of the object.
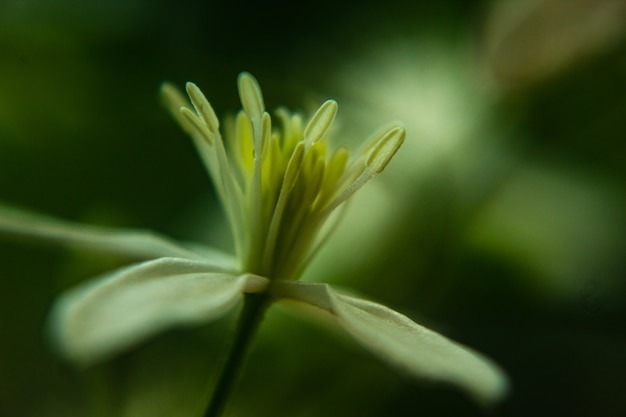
(278, 185)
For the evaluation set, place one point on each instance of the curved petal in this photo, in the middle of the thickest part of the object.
(137, 244)
(119, 309)
(404, 343)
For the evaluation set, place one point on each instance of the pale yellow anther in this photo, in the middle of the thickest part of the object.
(174, 100)
(172, 97)
(385, 149)
(272, 169)
(296, 124)
(266, 130)
(243, 140)
(203, 107)
(197, 125)
(251, 97)
(321, 121)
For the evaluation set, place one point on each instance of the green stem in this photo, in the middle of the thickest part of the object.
(253, 310)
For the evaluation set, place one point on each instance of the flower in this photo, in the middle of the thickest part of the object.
(282, 190)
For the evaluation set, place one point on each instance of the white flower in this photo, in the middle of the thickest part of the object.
(281, 189)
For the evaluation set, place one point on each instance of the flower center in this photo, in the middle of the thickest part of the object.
(279, 186)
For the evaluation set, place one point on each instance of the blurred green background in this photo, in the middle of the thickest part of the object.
(500, 223)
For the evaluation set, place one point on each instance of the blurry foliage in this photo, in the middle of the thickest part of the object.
(502, 219)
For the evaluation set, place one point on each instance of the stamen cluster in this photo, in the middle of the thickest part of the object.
(278, 184)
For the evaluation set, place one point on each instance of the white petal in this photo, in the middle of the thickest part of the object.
(406, 344)
(117, 310)
(137, 244)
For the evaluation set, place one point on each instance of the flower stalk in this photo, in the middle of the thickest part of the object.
(254, 308)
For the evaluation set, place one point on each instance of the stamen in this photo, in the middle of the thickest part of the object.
(314, 175)
(252, 102)
(266, 132)
(243, 145)
(284, 118)
(385, 149)
(203, 107)
(273, 170)
(296, 133)
(333, 174)
(378, 158)
(321, 121)
(349, 191)
(251, 97)
(199, 134)
(292, 172)
(174, 100)
(197, 125)
(373, 140)
(219, 167)
(278, 188)
(325, 233)
(172, 96)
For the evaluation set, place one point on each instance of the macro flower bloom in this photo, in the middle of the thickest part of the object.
(282, 188)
